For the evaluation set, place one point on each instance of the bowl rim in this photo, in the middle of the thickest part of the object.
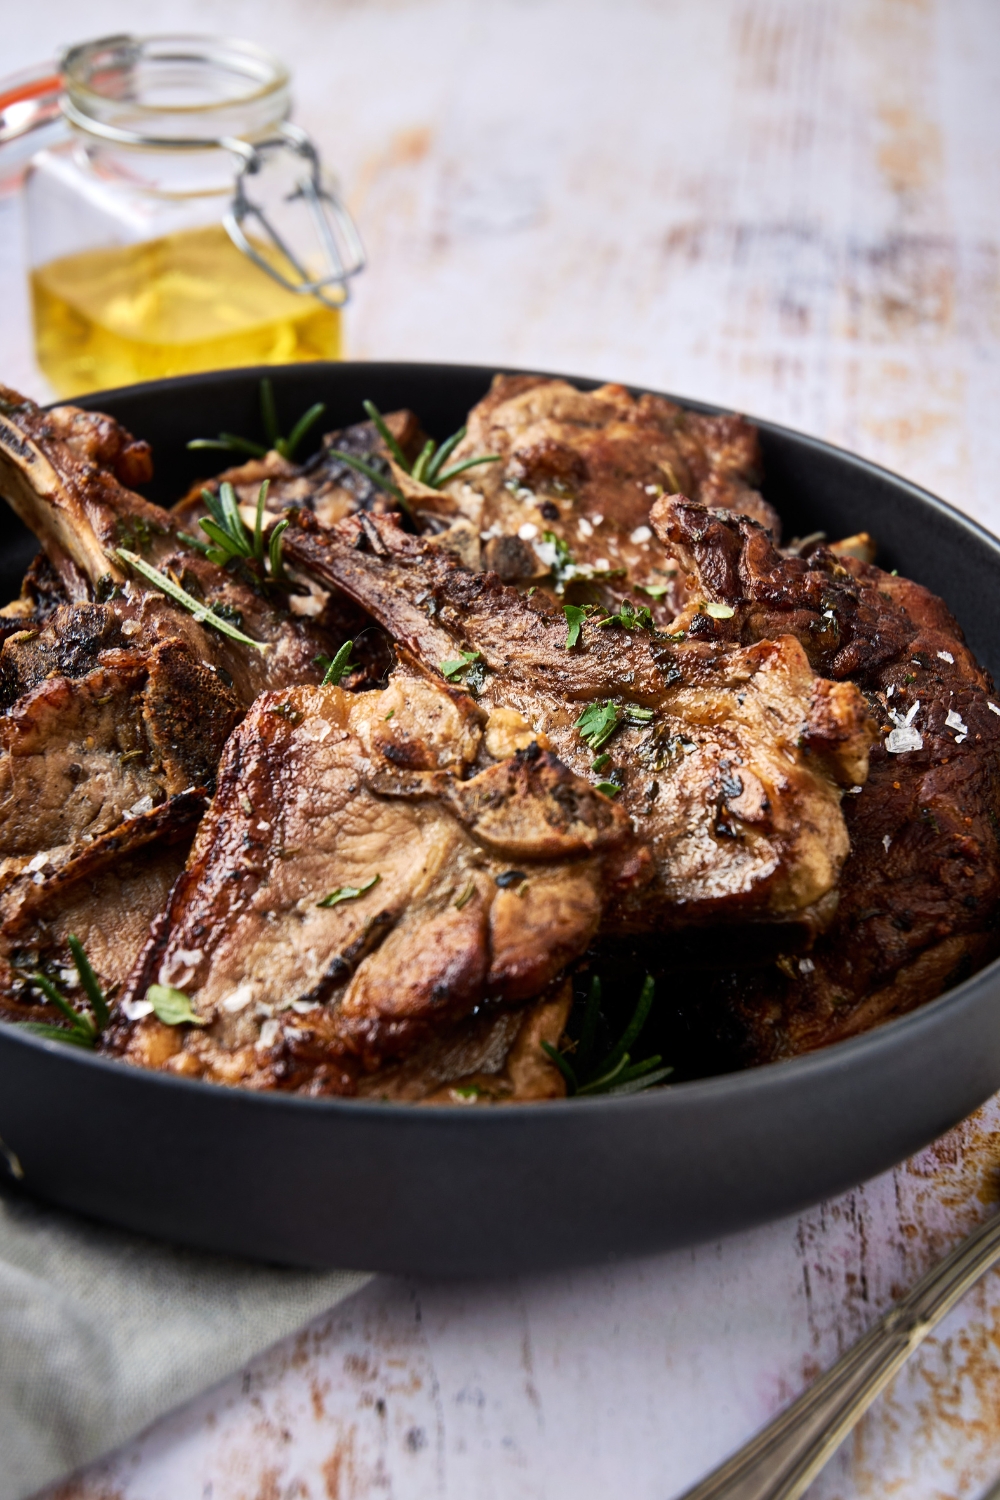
(834, 1058)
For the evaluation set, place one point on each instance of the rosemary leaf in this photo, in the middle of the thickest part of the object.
(274, 551)
(340, 665)
(638, 1021)
(348, 892)
(467, 463)
(374, 415)
(269, 413)
(258, 525)
(423, 459)
(287, 446)
(555, 1056)
(382, 480)
(55, 1033)
(55, 997)
(202, 612)
(441, 457)
(88, 980)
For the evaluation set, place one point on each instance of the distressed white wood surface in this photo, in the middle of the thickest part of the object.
(786, 206)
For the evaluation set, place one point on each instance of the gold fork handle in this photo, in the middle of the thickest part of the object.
(784, 1458)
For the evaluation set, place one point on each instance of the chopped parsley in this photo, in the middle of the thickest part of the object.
(453, 669)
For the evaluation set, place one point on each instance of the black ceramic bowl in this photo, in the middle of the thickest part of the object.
(332, 1182)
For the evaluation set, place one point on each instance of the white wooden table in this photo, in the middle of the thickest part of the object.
(786, 206)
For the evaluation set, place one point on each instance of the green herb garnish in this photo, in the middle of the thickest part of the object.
(575, 616)
(427, 468)
(719, 611)
(83, 1032)
(598, 723)
(204, 614)
(348, 892)
(615, 1073)
(339, 666)
(654, 590)
(609, 788)
(228, 442)
(453, 669)
(172, 1006)
(630, 618)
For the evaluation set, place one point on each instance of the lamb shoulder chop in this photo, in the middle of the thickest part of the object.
(729, 759)
(570, 497)
(920, 890)
(359, 913)
(118, 700)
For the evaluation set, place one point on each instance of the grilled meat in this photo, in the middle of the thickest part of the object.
(920, 891)
(59, 470)
(730, 759)
(354, 894)
(106, 893)
(578, 470)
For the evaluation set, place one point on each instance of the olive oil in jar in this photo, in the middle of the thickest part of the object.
(188, 301)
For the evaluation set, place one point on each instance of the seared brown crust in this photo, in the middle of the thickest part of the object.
(487, 888)
(920, 892)
(585, 466)
(731, 769)
(58, 471)
(106, 895)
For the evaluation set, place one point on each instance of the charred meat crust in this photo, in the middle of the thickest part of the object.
(920, 891)
(730, 758)
(449, 926)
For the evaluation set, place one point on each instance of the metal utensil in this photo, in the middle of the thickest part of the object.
(784, 1458)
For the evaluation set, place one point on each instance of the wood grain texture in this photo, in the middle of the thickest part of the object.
(787, 206)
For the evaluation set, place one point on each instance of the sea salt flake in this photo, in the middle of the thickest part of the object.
(886, 841)
(954, 721)
(994, 708)
(946, 656)
(239, 999)
(902, 739)
(806, 966)
(268, 1034)
(855, 791)
(961, 738)
(38, 863)
(134, 1010)
(596, 520)
(584, 527)
(528, 531)
(144, 805)
(641, 534)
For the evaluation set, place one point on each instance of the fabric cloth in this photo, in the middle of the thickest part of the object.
(101, 1332)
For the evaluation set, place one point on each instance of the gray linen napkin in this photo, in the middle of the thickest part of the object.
(101, 1332)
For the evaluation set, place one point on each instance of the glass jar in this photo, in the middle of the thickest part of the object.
(183, 224)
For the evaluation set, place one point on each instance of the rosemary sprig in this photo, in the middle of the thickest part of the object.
(229, 442)
(204, 614)
(83, 1032)
(427, 468)
(339, 666)
(615, 1073)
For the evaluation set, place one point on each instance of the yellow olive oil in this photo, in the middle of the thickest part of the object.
(189, 301)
